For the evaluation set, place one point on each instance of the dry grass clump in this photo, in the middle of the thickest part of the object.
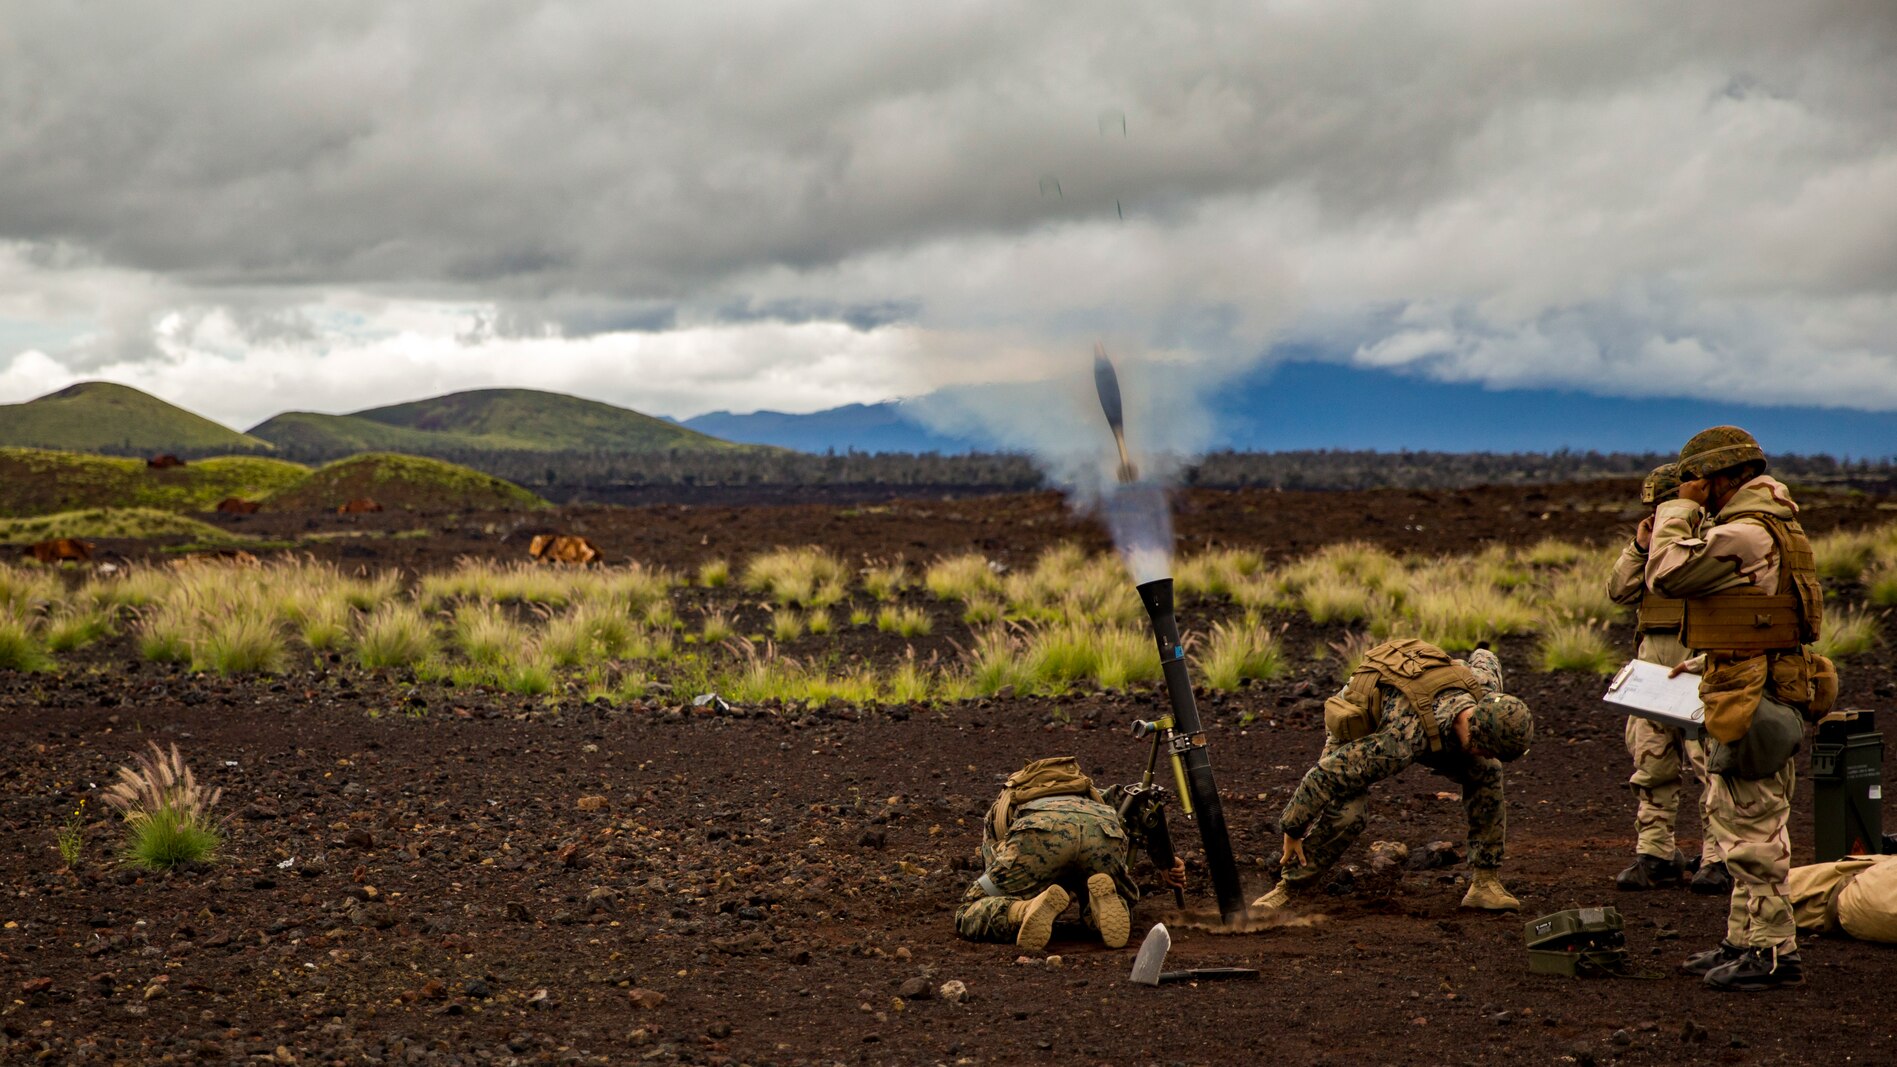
(964, 578)
(394, 635)
(1579, 593)
(886, 581)
(167, 813)
(132, 588)
(1220, 572)
(715, 629)
(1846, 554)
(904, 622)
(1880, 586)
(590, 633)
(1350, 652)
(1336, 598)
(1578, 645)
(1237, 651)
(819, 622)
(1549, 552)
(714, 574)
(1847, 632)
(786, 625)
(486, 635)
(800, 577)
(72, 628)
(238, 642)
(20, 648)
(1457, 615)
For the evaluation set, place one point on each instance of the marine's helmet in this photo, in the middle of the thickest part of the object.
(1662, 485)
(1502, 726)
(1716, 450)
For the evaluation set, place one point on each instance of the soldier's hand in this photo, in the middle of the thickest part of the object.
(1643, 533)
(1293, 850)
(1175, 876)
(1695, 665)
(1699, 490)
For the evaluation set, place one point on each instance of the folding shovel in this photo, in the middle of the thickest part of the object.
(1148, 964)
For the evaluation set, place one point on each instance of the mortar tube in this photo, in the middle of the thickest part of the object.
(1156, 595)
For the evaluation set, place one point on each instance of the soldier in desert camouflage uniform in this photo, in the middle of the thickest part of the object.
(1469, 728)
(1048, 839)
(1732, 548)
(1660, 752)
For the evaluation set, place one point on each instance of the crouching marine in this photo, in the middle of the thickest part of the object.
(1049, 839)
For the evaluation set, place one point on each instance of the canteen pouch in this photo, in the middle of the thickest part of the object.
(1354, 712)
(1774, 737)
(1731, 691)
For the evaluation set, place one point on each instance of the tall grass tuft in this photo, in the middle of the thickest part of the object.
(885, 581)
(1580, 593)
(715, 629)
(1847, 633)
(167, 813)
(1238, 651)
(394, 635)
(963, 577)
(241, 642)
(804, 577)
(714, 574)
(1844, 556)
(786, 625)
(1577, 645)
(997, 661)
(164, 633)
(1880, 586)
(904, 622)
(20, 648)
(1456, 615)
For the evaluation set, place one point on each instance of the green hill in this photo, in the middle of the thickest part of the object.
(409, 483)
(98, 416)
(40, 482)
(487, 420)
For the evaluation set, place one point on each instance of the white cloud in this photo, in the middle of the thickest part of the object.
(681, 210)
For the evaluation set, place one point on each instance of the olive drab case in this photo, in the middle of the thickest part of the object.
(1579, 943)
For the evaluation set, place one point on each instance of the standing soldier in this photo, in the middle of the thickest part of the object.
(1732, 548)
(1660, 751)
(1049, 838)
(1408, 702)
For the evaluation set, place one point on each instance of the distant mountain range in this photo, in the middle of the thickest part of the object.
(1322, 405)
(1287, 406)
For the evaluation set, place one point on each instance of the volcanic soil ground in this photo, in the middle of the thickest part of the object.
(411, 875)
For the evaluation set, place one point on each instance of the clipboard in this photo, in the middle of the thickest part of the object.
(1643, 689)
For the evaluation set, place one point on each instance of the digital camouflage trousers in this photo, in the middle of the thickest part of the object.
(1052, 848)
(1660, 755)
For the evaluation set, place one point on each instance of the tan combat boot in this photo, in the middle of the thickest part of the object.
(1034, 919)
(1279, 896)
(1486, 893)
(1110, 916)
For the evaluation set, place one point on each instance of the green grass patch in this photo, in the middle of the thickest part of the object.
(1847, 633)
(170, 837)
(94, 523)
(1577, 646)
(39, 482)
(410, 483)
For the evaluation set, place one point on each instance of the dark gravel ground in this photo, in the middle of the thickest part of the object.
(410, 877)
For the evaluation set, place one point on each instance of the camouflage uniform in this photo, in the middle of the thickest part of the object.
(1659, 751)
(1056, 840)
(1749, 818)
(1327, 809)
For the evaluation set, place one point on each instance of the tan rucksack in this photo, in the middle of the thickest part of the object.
(1050, 777)
(1417, 669)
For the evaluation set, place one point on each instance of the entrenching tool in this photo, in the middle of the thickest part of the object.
(1148, 966)
(1106, 382)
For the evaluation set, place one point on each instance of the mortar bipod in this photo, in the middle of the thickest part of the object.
(1175, 744)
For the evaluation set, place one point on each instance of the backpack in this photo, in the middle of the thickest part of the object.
(1417, 669)
(1054, 776)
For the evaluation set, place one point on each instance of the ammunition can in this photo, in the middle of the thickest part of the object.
(1847, 772)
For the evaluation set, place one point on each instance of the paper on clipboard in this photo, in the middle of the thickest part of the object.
(1643, 689)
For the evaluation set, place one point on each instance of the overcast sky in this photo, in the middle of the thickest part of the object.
(246, 208)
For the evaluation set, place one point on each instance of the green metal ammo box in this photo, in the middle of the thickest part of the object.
(1847, 773)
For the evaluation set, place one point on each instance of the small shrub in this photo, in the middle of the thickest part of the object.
(806, 577)
(1578, 645)
(394, 635)
(71, 836)
(1847, 633)
(904, 622)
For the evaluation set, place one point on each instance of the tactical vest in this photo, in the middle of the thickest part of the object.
(1054, 776)
(1749, 622)
(1658, 614)
(1417, 669)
